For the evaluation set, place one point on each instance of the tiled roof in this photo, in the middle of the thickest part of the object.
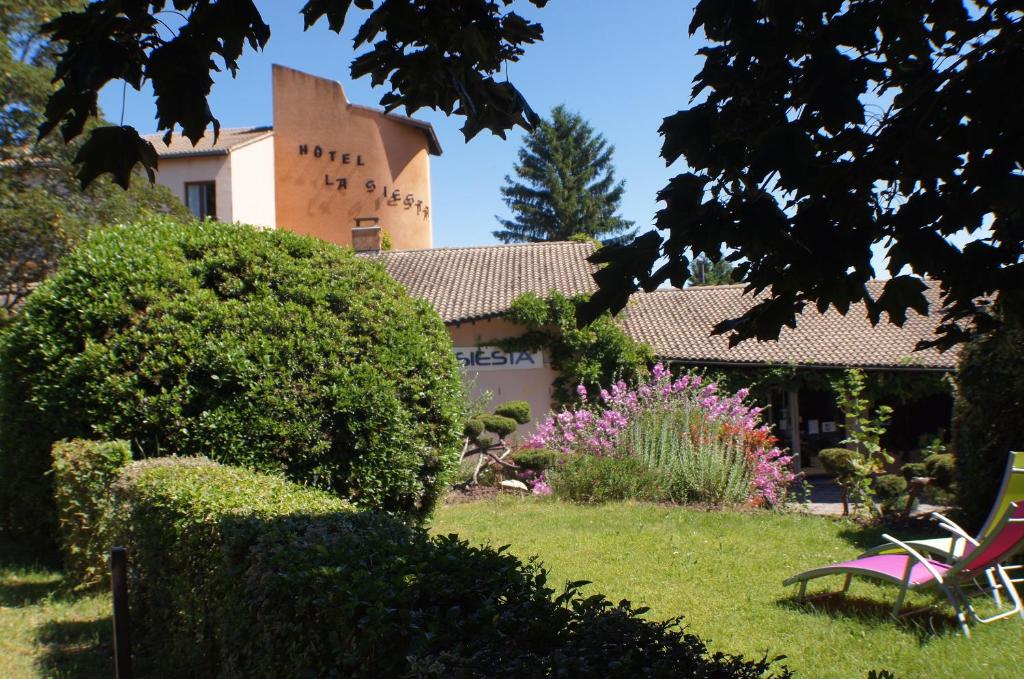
(230, 138)
(677, 325)
(473, 283)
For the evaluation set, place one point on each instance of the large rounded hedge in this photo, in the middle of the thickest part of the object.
(264, 349)
(987, 417)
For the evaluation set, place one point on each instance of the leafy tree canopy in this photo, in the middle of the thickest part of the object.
(42, 210)
(819, 130)
(822, 129)
(441, 55)
(565, 185)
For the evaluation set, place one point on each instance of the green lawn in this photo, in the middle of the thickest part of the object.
(46, 631)
(724, 572)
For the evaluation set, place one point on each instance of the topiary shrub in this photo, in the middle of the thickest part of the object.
(942, 468)
(501, 426)
(537, 459)
(491, 451)
(986, 417)
(847, 467)
(515, 410)
(237, 574)
(890, 490)
(83, 472)
(261, 348)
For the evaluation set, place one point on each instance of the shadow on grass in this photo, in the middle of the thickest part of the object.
(915, 528)
(925, 625)
(79, 649)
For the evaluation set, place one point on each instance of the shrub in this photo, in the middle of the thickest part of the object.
(890, 490)
(592, 354)
(942, 468)
(536, 459)
(671, 425)
(589, 478)
(516, 410)
(699, 459)
(986, 416)
(496, 424)
(266, 349)
(83, 472)
(235, 574)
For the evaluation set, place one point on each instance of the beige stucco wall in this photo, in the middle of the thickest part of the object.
(532, 386)
(252, 183)
(334, 162)
(174, 172)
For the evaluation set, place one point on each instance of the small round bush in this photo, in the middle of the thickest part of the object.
(265, 349)
(502, 426)
(839, 461)
(913, 469)
(473, 427)
(890, 487)
(516, 410)
(537, 459)
(942, 468)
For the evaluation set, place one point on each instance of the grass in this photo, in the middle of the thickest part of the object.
(724, 572)
(45, 630)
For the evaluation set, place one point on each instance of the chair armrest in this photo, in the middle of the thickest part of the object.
(917, 555)
(951, 526)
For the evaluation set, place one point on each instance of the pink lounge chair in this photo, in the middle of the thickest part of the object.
(912, 571)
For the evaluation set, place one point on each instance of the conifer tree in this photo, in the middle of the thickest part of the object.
(703, 271)
(565, 186)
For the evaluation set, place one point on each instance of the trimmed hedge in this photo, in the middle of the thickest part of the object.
(265, 349)
(986, 417)
(83, 472)
(236, 574)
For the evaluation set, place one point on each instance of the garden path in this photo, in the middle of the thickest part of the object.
(827, 500)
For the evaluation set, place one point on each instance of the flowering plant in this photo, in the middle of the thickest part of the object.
(682, 426)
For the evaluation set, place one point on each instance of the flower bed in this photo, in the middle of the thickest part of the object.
(703, 445)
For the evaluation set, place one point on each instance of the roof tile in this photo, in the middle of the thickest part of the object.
(473, 283)
(677, 325)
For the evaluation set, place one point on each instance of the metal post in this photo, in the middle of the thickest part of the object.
(122, 627)
(793, 402)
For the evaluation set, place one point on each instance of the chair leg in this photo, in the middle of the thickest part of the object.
(960, 615)
(994, 587)
(1011, 591)
(896, 607)
(846, 583)
(803, 591)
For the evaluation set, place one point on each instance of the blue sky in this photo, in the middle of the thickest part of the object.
(623, 66)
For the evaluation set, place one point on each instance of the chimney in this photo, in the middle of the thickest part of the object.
(366, 238)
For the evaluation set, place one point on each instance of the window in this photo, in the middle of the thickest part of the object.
(200, 198)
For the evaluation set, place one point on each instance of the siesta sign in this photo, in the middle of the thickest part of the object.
(495, 358)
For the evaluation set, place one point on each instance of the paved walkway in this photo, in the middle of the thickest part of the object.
(827, 500)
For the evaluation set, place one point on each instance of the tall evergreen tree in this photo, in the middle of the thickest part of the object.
(565, 187)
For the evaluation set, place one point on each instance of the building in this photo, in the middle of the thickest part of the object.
(472, 287)
(324, 168)
(356, 176)
(677, 325)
